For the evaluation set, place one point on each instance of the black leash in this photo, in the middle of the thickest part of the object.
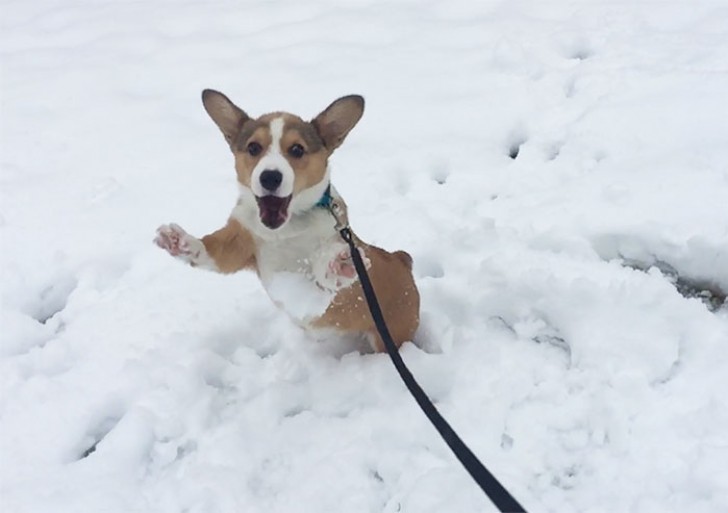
(503, 500)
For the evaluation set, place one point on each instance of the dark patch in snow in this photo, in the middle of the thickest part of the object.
(88, 452)
(671, 372)
(514, 148)
(553, 340)
(503, 323)
(217, 383)
(551, 336)
(579, 50)
(53, 299)
(554, 151)
(185, 449)
(97, 435)
(376, 475)
(582, 53)
(566, 479)
(265, 349)
(440, 174)
(506, 442)
(295, 411)
(711, 294)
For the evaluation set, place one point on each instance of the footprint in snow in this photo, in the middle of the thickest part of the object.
(97, 434)
(514, 142)
(580, 52)
(440, 174)
(711, 294)
(53, 299)
(126, 438)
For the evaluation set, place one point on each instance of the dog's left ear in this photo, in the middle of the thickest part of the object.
(338, 119)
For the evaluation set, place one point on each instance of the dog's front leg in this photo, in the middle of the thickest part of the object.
(226, 250)
(334, 267)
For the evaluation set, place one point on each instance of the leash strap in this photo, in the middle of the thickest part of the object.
(503, 500)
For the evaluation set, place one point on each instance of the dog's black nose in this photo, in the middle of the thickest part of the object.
(270, 179)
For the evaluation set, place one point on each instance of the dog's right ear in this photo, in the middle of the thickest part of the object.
(226, 115)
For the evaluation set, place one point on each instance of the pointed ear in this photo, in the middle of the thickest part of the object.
(338, 119)
(226, 115)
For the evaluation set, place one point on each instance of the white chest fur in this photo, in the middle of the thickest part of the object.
(289, 274)
(292, 264)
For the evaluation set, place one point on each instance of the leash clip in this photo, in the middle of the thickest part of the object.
(339, 214)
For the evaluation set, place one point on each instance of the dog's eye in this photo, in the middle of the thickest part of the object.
(254, 149)
(296, 151)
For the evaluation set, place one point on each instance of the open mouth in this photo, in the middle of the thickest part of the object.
(273, 210)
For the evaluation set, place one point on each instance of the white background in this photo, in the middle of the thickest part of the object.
(586, 385)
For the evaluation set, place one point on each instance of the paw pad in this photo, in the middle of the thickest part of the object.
(174, 240)
(342, 266)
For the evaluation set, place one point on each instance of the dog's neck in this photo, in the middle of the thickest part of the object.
(325, 201)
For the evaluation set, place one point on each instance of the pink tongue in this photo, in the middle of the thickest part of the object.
(273, 210)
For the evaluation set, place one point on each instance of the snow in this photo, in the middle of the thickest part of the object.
(554, 338)
(299, 296)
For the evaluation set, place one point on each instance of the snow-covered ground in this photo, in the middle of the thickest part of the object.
(554, 336)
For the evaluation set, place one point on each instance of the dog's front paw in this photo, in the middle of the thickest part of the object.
(341, 270)
(178, 243)
(183, 246)
(174, 240)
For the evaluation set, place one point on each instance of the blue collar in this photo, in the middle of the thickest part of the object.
(325, 200)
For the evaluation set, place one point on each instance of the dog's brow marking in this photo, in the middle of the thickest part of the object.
(274, 159)
(276, 133)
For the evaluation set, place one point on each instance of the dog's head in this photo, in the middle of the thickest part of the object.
(280, 159)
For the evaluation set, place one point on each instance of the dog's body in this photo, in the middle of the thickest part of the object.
(281, 226)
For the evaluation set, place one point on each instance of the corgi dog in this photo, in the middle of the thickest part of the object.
(282, 228)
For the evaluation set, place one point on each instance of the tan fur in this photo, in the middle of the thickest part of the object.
(309, 170)
(234, 247)
(397, 295)
(244, 162)
(231, 247)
